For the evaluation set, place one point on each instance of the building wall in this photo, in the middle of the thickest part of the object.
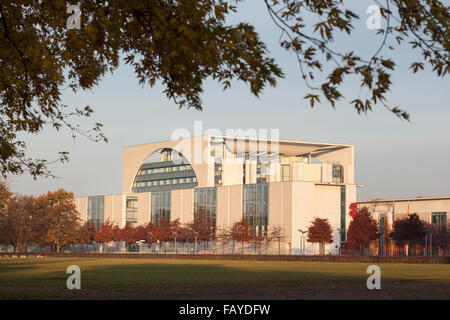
(303, 211)
(114, 206)
(143, 208)
(232, 172)
(81, 205)
(327, 203)
(280, 211)
(423, 208)
(182, 205)
(229, 205)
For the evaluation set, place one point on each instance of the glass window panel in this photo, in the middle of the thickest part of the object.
(160, 207)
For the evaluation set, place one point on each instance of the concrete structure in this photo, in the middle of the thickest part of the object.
(434, 210)
(269, 182)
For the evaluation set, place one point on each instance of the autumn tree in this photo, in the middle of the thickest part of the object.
(63, 219)
(241, 232)
(410, 230)
(180, 44)
(362, 230)
(202, 227)
(16, 222)
(106, 232)
(320, 231)
(85, 233)
(151, 233)
(277, 234)
(41, 221)
(127, 234)
(223, 236)
(258, 240)
(5, 195)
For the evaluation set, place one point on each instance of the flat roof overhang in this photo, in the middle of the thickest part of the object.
(405, 199)
(239, 145)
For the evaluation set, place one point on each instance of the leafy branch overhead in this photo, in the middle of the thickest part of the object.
(423, 24)
(181, 44)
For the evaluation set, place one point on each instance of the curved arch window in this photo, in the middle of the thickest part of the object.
(166, 169)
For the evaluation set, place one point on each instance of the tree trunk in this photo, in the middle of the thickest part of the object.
(321, 249)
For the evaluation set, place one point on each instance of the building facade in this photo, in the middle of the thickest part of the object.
(268, 182)
(434, 210)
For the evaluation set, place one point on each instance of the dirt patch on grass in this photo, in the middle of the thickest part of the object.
(292, 291)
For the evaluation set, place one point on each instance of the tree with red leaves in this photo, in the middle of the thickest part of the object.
(353, 210)
(436, 238)
(106, 232)
(241, 232)
(320, 231)
(202, 228)
(409, 230)
(127, 234)
(362, 230)
(165, 233)
(151, 233)
(86, 233)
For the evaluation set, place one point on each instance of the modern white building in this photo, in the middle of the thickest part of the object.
(268, 182)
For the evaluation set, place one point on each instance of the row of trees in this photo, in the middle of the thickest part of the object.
(199, 231)
(412, 231)
(51, 220)
(202, 231)
(48, 220)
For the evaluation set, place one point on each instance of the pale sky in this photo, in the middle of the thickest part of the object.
(393, 158)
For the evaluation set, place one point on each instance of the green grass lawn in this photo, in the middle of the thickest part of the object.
(45, 278)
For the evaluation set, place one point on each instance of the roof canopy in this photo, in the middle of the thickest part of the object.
(238, 145)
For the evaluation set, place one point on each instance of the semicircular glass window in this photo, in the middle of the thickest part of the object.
(166, 169)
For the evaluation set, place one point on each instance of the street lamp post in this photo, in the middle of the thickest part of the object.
(211, 235)
(429, 230)
(302, 241)
(151, 242)
(196, 235)
(175, 241)
(431, 243)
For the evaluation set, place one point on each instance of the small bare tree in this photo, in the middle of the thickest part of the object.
(277, 234)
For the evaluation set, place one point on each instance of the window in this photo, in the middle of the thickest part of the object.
(439, 220)
(164, 170)
(255, 204)
(338, 173)
(263, 170)
(218, 149)
(285, 172)
(96, 210)
(218, 173)
(131, 211)
(160, 206)
(382, 222)
(343, 213)
(205, 205)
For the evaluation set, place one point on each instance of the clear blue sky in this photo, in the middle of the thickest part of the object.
(394, 158)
